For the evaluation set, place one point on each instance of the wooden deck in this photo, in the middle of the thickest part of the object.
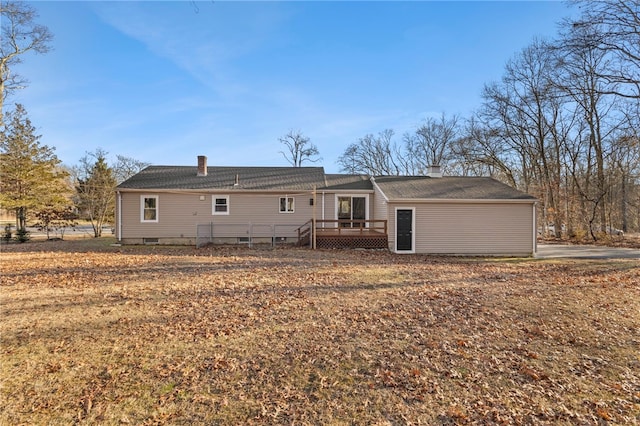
(369, 234)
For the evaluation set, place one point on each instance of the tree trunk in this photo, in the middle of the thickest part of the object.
(623, 202)
(21, 218)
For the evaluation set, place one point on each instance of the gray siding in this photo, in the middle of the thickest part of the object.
(180, 213)
(474, 228)
(470, 228)
(328, 200)
(380, 209)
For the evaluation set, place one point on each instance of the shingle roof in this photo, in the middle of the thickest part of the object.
(348, 182)
(308, 178)
(448, 187)
(225, 178)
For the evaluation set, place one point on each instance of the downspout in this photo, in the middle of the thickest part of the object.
(323, 208)
(314, 225)
(119, 223)
(535, 233)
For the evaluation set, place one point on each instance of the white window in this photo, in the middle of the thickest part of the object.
(221, 204)
(148, 208)
(286, 204)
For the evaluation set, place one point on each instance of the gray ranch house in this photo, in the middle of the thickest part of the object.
(306, 206)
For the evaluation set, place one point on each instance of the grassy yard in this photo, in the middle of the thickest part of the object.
(92, 333)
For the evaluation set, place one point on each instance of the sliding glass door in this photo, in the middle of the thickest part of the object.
(352, 208)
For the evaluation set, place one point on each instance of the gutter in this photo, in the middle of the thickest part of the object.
(463, 201)
(230, 191)
(535, 228)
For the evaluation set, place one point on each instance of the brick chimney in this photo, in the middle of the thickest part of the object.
(434, 171)
(202, 165)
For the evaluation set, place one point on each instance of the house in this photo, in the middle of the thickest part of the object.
(406, 214)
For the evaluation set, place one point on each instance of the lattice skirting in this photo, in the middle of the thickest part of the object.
(367, 242)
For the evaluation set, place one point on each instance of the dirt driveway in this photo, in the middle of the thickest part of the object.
(547, 251)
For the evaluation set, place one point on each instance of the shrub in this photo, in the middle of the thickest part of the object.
(7, 234)
(22, 235)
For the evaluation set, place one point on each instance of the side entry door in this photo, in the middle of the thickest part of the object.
(404, 230)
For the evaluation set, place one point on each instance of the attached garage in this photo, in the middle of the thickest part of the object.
(456, 215)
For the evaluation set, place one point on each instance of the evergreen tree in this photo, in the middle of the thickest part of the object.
(96, 191)
(30, 174)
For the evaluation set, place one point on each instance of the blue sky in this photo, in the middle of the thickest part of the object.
(163, 82)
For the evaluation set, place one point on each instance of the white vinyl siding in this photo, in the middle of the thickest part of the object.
(380, 209)
(471, 228)
(180, 213)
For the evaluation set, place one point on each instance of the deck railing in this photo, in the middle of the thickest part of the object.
(305, 232)
(341, 228)
(348, 226)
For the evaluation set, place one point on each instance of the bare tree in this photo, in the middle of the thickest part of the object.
(555, 127)
(524, 111)
(601, 51)
(375, 155)
(615, 25)
(624, 176)
(582, 69)
(299, 149)
(432, 143)
(125, 167)
(96, 181)
(20, 34)
(480, 152)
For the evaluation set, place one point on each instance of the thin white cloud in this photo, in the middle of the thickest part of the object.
(207, 44)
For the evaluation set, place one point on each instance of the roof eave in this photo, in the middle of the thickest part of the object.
(212, 190)
(375, 185)
(464, 200)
